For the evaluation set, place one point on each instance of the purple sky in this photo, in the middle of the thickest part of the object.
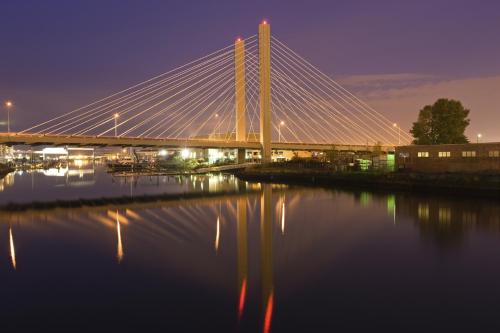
(397, 55)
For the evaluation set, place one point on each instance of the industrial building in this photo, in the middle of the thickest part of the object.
(468, 158)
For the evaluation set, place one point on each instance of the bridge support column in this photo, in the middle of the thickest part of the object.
(240, 90)
(265, 90)
(241, 158)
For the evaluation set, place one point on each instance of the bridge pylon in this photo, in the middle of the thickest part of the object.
(240, 95)
(265, 90)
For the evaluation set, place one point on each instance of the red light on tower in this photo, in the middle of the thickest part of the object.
(238, 39)
(264, 22)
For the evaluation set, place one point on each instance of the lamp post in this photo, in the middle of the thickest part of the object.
(116, 116)
(479, 136)
(279, 130)
(395, 125)
(8, 105)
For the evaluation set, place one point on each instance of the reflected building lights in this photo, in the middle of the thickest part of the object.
(119, 248)
(283, 216)
(217, 235)
(12, 249)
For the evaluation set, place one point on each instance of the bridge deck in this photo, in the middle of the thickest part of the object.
(105, 141)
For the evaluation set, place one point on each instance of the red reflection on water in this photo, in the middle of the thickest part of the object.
(269, 313)
(243, 293)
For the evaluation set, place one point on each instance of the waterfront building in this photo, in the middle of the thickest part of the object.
(470, 157)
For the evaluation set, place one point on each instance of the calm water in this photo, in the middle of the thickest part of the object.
(282, 259)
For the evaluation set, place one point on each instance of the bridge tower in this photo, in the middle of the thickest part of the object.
(265, 89)
(240, 95)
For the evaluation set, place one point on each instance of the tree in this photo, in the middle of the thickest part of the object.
(443, 122)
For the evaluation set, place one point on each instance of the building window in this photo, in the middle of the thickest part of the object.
(470, 153)
(444, 154)
(423, 154)
(494, 153)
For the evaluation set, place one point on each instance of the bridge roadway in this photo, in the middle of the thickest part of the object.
(11, 139)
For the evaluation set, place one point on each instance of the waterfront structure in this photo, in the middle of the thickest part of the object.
(470, 157)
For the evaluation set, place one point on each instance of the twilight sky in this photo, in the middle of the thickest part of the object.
(57, 55)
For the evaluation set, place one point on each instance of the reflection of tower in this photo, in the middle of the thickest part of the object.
(266, 234)
(241, 215)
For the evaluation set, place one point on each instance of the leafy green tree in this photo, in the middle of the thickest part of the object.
(443, 122)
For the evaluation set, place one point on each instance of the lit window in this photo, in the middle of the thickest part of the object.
(494, 153)
(423, 154)
(444, 154)
(469, 153)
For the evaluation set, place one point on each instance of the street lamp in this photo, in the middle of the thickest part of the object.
(479, 136)
(395, 125)
(8, 105)
(279, 130)
(116, 116)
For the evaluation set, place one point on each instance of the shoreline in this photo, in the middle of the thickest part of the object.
(116, 201)
(444, 183)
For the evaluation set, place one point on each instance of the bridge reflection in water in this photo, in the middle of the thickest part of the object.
(252, 237)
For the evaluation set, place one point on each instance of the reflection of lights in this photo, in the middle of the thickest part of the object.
(163, 152)
(243, 293)
(185, 153)
(283, 217)
(79, 163)
(217, 235)
(12, 249)
(119, 249)
(269, 313)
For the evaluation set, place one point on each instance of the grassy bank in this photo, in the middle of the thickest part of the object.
(465, 183)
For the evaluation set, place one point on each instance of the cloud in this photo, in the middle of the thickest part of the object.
(401, 96)
(384, 79)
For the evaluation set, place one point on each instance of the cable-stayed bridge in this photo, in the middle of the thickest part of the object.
(254, 94)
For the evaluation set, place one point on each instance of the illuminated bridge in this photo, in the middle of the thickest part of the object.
(254, 94)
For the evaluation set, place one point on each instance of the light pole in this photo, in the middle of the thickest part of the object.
(399, 132)
(279, 130)
(116, 123)
(479, 136)
(8, 105)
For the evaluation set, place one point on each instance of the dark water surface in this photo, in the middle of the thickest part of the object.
(282, 259)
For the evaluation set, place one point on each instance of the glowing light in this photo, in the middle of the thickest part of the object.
(243, 293)
(269, 313)
(217, 235)
(163, 152)
(116, 115)
(119, 248)
(264, 22)
(216, 115)
(282, 123)
(12, 249)
(238, 39)
(185, 153)
(8, 104)
(124, 150)
(394, 125)
(283, 217)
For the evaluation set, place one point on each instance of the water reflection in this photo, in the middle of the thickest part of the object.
(119, 247)
(259, 267)
(12, 249)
